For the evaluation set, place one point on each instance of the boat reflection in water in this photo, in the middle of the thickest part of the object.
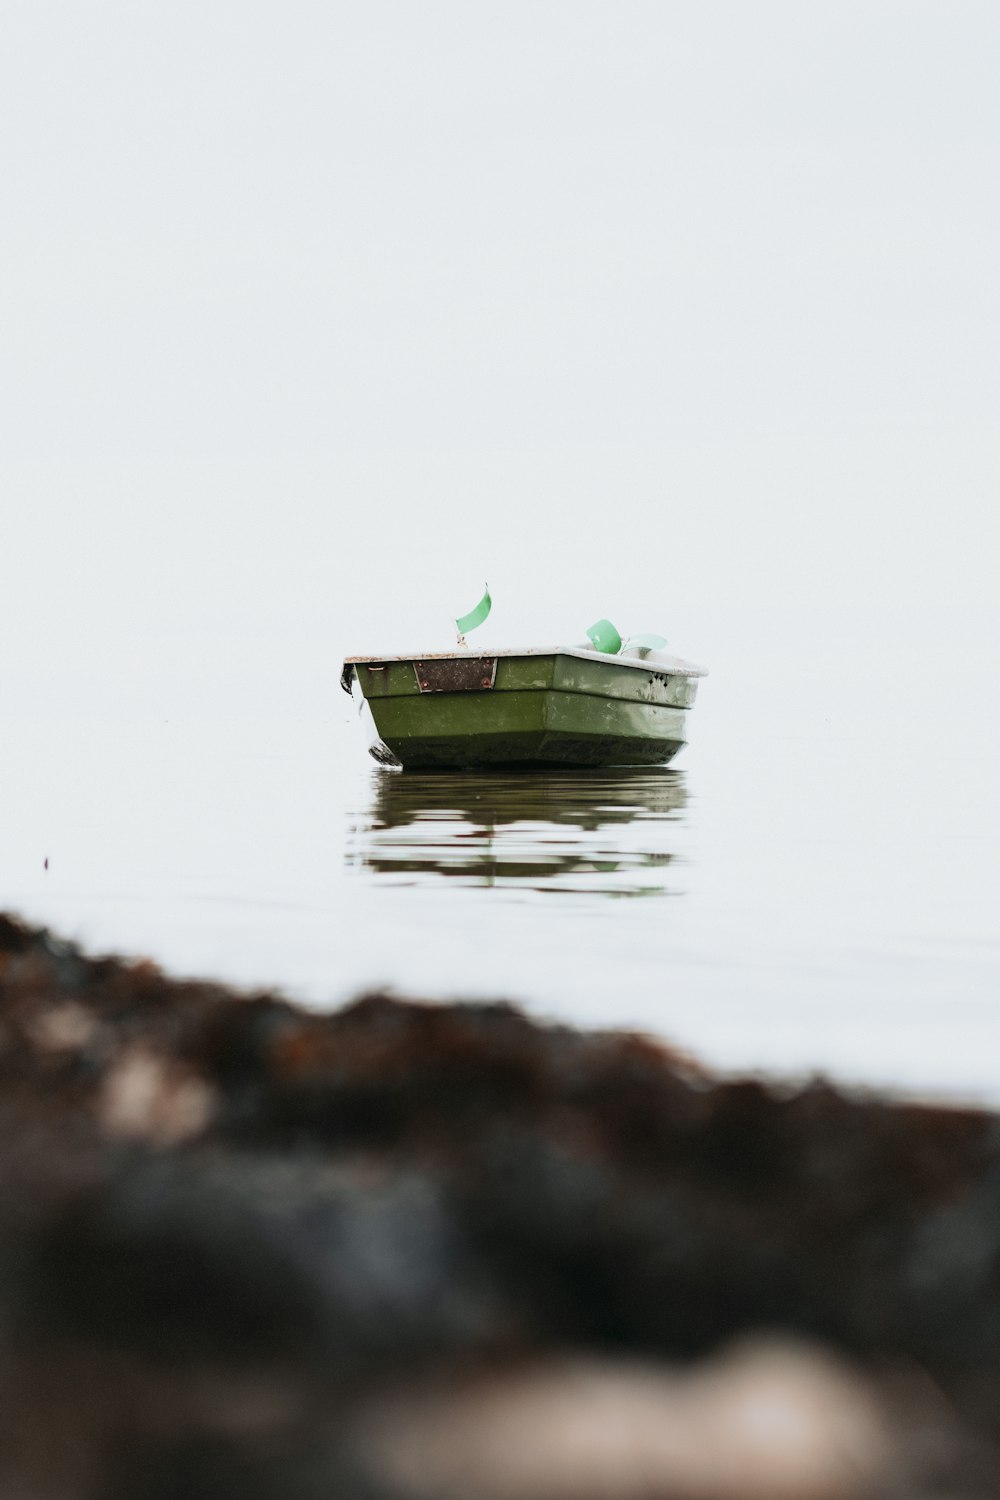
(604, 832)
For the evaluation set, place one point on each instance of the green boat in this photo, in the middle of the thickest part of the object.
(561, 705)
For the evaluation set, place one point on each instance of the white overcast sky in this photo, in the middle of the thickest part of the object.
(314, 315)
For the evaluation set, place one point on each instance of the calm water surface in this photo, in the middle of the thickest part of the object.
(812, 885)
(583, 833)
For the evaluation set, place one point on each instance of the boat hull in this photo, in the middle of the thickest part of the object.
(535, 709)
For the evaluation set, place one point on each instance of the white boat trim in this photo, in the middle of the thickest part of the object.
(657, 661)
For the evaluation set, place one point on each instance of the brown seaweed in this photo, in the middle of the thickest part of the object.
(252, 1250)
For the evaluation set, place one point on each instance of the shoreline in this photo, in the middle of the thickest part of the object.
(321, 1221)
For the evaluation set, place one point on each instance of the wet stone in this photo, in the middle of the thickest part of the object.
(410, 1251)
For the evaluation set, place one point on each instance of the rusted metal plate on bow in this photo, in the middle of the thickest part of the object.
(456, 674)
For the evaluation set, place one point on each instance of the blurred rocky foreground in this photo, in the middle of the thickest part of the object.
(441, 1252)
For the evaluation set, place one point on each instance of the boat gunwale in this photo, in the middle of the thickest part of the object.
(672, 666)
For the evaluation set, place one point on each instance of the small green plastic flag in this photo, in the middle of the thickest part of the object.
(604, 637)
(646, 643)
(475, 616)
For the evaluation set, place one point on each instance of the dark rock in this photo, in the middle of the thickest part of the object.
(229, 1229)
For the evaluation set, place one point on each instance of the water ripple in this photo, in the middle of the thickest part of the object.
(600, 832)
